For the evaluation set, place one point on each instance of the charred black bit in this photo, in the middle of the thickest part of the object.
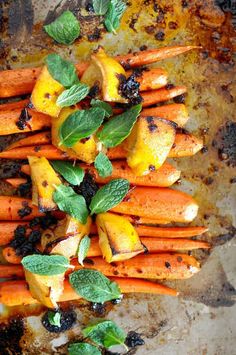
(184, 3)
(68, 319)
(204, 149)
(150, 119)
(233, 180)
(129, 89)
(117, 300)
(150, 29)
(19, 237)
(107, 352)
(87, 188)
(23, 119)
(89, 7)
(180, 99)
(151, 167)
(225, 142)
(88, 261)
(143, 48)
(160, 36)
(28, 244)
(152, 127)
(37, 148)
(24, 190)
(134, 339)
(44, 222)
(167, 265)
(94, 91)
(169, 86)
(172, 25)
(29, 105)
(10, 336)
(95, 36)
(98, 308)
(208, 180)
(182, 130)
(9, 168)
(24, 211)
(146, 251)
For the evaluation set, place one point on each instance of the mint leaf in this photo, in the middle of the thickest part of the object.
(103, 105)
(115, 11)
(65, 29)
(73, 174)
(54, 318)
(120, 7)
(109, 196)
(73, 95)
(105, 333)
(103, 165)
(83, 249)
(119, 127)
(93, 286)
(80, 124)
(61, 70)
(71, 203)
(83, 349)
(47, 265)
(100, 6)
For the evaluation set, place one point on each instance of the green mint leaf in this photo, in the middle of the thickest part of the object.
(103, 165)
(83, 249)
(105, 333)
(120, 7)
(111, 20)
(73, 95)
(80, 124)
(61, 70)
(71, 203)
(47, 265)
(54, 318)
(103, 105)
(83, 349)
(119, 127)
(100, 6)
(109, 196)
(73, 174)
(93, 286)
(65, 29)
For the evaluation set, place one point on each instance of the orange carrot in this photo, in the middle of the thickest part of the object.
(47, 151)
(160, 203)
(9, 119)
(152, 266)
(185, 145)
(10, 255)
(14, 105)
(16, 293)
(173, 112)
(154, 96)
(153, 55)
(15, 182)
(11, 272)
(7, 231)
(12, 208)
(154, 78)
(36, 139)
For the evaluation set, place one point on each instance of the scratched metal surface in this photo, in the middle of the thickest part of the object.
(202, 319)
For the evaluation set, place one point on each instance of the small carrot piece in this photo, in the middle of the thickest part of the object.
(15, 182)
(12, 208)
(160, 203)
(10, 255)
(9, 119)
(47, 151)
(173, 112)
(11, 272)
(152, 55)
(16, 293)
(154, 96)
(14, 105)
(37, 139)
(152, 266)
(154, 78)
(7, 231)
(185, 145)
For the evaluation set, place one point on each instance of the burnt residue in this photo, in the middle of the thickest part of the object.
(225, 143)
(21, 18)
(98, 308)
(129, 89)
(25, 189)
(87, 188)
(25, 210)
(134, 339)
(23, 119)
(224, 238)
(68, 319)
(180, 99)
(10, 336)
(95, 36)
(9, 168)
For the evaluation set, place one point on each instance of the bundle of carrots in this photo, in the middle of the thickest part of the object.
(149, 203)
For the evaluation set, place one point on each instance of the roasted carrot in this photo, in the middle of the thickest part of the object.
(154, 96)
(14, 208)
(10, 255)
(15, 182)
(160, 203)
(35, 139)
(152, 266)
(14, 105)
(173, 112)
(185, 145)
(47, 151)
(9, 119)
(7, 231)
(151, 79)
(16, 293)
(153, 55)
(11, 272)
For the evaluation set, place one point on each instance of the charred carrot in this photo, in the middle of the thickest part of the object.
(47, 151)
(15, 182)
(7, 231)
(14, 208)
(154, 96)
(160, 203)
(153, 55)
(14, 105)
(10, 255)
(173, 112)
(10, 118)
(16, 293)
(36, 139)
(11, 272)
(151, 79)
(185, 145)
(152, 266)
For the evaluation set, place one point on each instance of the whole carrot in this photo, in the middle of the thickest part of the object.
(154, 78)
(153, 97)
(185, 145)
(173, 112)
(14, 208)
(37, 139)
(153, 266)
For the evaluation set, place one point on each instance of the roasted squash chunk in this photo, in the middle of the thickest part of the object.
(46, 289)
(104, 71)
(44, 179)
(85, 150)
(45, 94)
(64, 239)
(118, 239)
(149, 144)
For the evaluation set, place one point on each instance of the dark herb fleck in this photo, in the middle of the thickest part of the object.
(94, 91)
(167, 265)
(152, 167)
(24, 211)
(23, 119)
(133, 339)
(180, 99)
(129, 89)
(169, 86)
(98, 308)
(160, 36)
(24, 190)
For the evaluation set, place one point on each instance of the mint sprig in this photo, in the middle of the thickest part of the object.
(83, 249)
(103, 165)
(73, 174)
(83, 349)
(74, 94)
(46, 265)
(61, 70)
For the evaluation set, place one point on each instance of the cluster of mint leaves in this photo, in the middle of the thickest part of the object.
(66, 28)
